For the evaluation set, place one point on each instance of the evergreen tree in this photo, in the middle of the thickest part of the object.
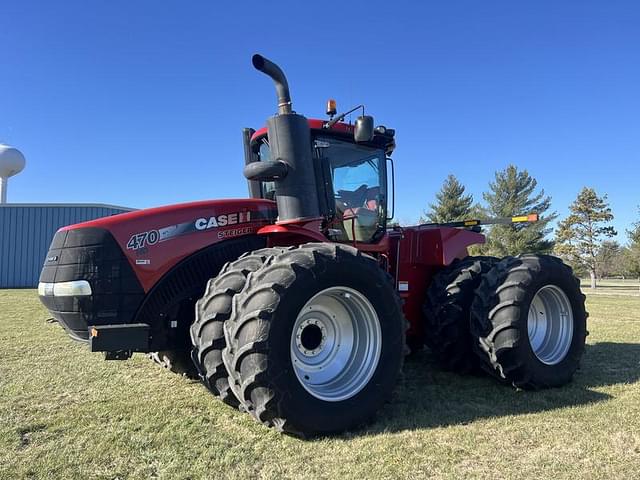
(451, 203)
(580, 236)
(513, 192)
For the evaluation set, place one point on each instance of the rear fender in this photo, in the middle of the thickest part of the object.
(418, 253)
(436, 247)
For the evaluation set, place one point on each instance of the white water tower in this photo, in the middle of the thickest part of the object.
(12, 162)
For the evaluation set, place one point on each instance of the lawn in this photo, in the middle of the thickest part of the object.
(66, 413)
(610, 286)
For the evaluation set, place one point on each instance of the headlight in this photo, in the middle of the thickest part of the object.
(75, 288)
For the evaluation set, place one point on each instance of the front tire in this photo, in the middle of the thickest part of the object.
(316, 340)
(529, 321)
(212, 311)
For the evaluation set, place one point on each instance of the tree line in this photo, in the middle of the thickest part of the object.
(584, 239)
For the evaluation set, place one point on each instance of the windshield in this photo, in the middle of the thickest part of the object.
(358, 182)
(352, 182)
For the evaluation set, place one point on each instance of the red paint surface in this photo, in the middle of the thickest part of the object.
(314, 124)
(284, 234)
(416, 254)
(164, 255)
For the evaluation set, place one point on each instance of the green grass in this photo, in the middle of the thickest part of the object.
(611, 286)
(66, 413)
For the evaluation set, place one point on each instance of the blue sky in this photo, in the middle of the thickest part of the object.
(141, 103)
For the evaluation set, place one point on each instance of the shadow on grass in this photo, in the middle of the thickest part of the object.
(608, 363)
(429, 397)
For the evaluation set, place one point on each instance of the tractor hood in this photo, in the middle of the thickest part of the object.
(155, 239)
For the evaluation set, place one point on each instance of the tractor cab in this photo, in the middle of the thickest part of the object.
(352, 183)
(328, 178)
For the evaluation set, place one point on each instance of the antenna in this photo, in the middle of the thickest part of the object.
(12, 162)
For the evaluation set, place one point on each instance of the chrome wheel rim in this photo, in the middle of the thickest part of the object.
(336, 343)
(550, 325)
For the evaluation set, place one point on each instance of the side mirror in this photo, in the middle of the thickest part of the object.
(269, 170)
(364, 129)
(391, 188)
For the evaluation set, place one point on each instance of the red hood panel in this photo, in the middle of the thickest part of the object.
(156, 239)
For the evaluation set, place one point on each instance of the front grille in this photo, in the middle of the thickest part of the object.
(91, 254)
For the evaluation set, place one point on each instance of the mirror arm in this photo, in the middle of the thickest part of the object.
(340, 117)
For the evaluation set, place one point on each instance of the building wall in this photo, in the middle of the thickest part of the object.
(26, 231)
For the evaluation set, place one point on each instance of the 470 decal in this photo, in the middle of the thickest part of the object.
(141, 240)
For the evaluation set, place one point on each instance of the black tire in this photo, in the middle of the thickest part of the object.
(499, 321)
(259, 339)
(212, 310)
(176, 361)
(447, 310)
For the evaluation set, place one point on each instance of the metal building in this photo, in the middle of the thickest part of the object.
(26, 229)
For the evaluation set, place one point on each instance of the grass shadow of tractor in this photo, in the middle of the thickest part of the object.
(429, 397)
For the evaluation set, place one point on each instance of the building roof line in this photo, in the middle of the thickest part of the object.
(89, 205)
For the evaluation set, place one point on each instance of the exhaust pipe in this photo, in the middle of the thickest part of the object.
(277, 75)
(291, 166)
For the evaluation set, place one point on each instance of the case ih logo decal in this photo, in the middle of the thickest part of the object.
(145, 239)
(223, 220)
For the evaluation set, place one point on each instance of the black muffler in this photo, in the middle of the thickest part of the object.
(291, 164)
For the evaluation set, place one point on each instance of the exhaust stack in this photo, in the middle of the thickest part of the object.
(277, 75)
(291, 165)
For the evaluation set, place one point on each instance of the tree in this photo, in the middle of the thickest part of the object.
(451, 203)
(580, 236)
(634, 234)
(633, 251)
(609, 259)
(513, 192)
(624, 268)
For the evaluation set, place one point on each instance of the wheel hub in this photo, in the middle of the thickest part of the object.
(311, 337)
(550, 325)
(336, 343)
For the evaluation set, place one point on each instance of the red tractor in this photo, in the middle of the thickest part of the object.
(298, 304)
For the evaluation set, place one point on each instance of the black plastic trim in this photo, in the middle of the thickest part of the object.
(91, 254)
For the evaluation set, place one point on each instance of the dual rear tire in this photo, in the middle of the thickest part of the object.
(529, 319)
(521, 319)
(446, 313)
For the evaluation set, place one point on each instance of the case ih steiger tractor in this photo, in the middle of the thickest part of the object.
(298, 304)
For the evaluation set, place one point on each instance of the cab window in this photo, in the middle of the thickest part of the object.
(358, 178)
(268, 188)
